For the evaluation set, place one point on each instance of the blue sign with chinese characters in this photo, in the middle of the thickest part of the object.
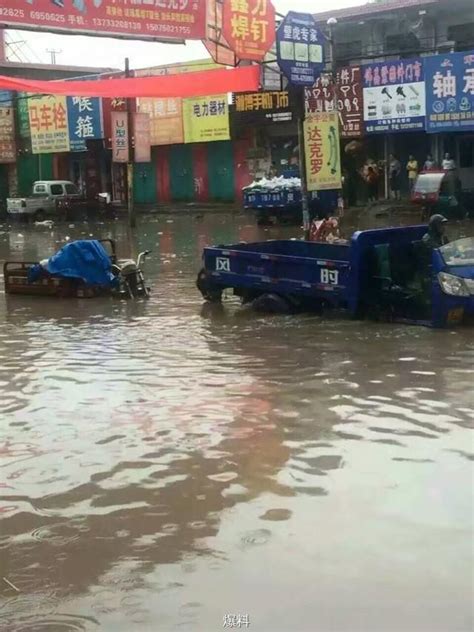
(394, 96)
(300, 49)
(85, 121)
(450, 92)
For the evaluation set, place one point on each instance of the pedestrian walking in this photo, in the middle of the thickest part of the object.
(394, 174)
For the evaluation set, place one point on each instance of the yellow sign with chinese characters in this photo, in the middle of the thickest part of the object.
(166, 115)
(322, 151)
(206, 119)
(48, 124)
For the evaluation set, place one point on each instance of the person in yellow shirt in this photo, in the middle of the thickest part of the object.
(412, 168)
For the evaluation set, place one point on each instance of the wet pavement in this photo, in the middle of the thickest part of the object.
(165, 464)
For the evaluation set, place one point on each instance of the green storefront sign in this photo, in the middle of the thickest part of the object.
(23, 118)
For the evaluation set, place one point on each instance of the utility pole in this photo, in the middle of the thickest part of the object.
(53, 52)
(132, 220)
(301, 145)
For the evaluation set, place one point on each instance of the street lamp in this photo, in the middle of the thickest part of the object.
(331, 24)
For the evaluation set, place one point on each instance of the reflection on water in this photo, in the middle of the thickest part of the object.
(165, 463)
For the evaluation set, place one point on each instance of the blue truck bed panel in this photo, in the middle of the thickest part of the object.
(286, 267)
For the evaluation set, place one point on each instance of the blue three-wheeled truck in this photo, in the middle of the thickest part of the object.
(386, 274)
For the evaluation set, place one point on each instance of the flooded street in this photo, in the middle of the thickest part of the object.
(165, 463)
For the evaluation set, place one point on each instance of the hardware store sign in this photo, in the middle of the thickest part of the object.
(394, 96)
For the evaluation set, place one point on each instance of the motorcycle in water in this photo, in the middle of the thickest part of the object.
(130, 277)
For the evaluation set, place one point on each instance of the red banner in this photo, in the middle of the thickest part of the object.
(120, 138)
(246, 79)
(249, 26)
(348, 93)
(133, 19)
(142, 135)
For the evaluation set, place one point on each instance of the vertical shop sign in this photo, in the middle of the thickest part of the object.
(322, 151)
(7, 136)
(48, 124)
(120, 137)
(85, 121)
(249, 27)
(141, 134)
(450, 92)
(394, 96)
(300, 48)
(346, 94)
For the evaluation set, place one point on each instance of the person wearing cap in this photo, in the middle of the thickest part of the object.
(436, 237)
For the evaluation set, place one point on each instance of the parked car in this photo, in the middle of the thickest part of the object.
(48, 198)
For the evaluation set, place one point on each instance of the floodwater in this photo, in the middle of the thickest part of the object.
(165, 465)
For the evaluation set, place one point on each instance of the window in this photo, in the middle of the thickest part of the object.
(56, 189)
(71, 189)
(463, 35)
(345, 51)
(39, 190)
(404, 44)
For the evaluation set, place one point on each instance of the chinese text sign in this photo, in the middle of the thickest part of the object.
(300, 49)
(347, 95)
(206, 119)
(48, 124)
(120, 138)
(166, 120)
(85, 121)
(134, 19)
(450, 92)
(7, 136)
(394, 96)
(141, 133)
(249, 27)
(322, 151)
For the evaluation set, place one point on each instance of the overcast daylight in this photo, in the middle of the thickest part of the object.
(110, 53)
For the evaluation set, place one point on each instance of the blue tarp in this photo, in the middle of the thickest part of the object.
(85, 259)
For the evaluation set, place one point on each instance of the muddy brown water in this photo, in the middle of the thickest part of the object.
(164, 464)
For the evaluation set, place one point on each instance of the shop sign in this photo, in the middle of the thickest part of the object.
(141, 134)
(450, 92)
(215, 42)
(348, 93)
(249, 27)
(48, 124)
(84, 120)
(131, 19)
(23, 116)
(262, 107)
(166, 120)
(394, 96)
(7, 136)
(322, 151)
(206, 119)
(120, 137)
(166, 115)
(300, 49)
(6, 99)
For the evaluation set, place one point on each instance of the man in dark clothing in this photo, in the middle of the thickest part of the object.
(435, 237)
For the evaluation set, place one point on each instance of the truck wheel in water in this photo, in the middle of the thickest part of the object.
(209, 291)
(271, 304)
(39, 216)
